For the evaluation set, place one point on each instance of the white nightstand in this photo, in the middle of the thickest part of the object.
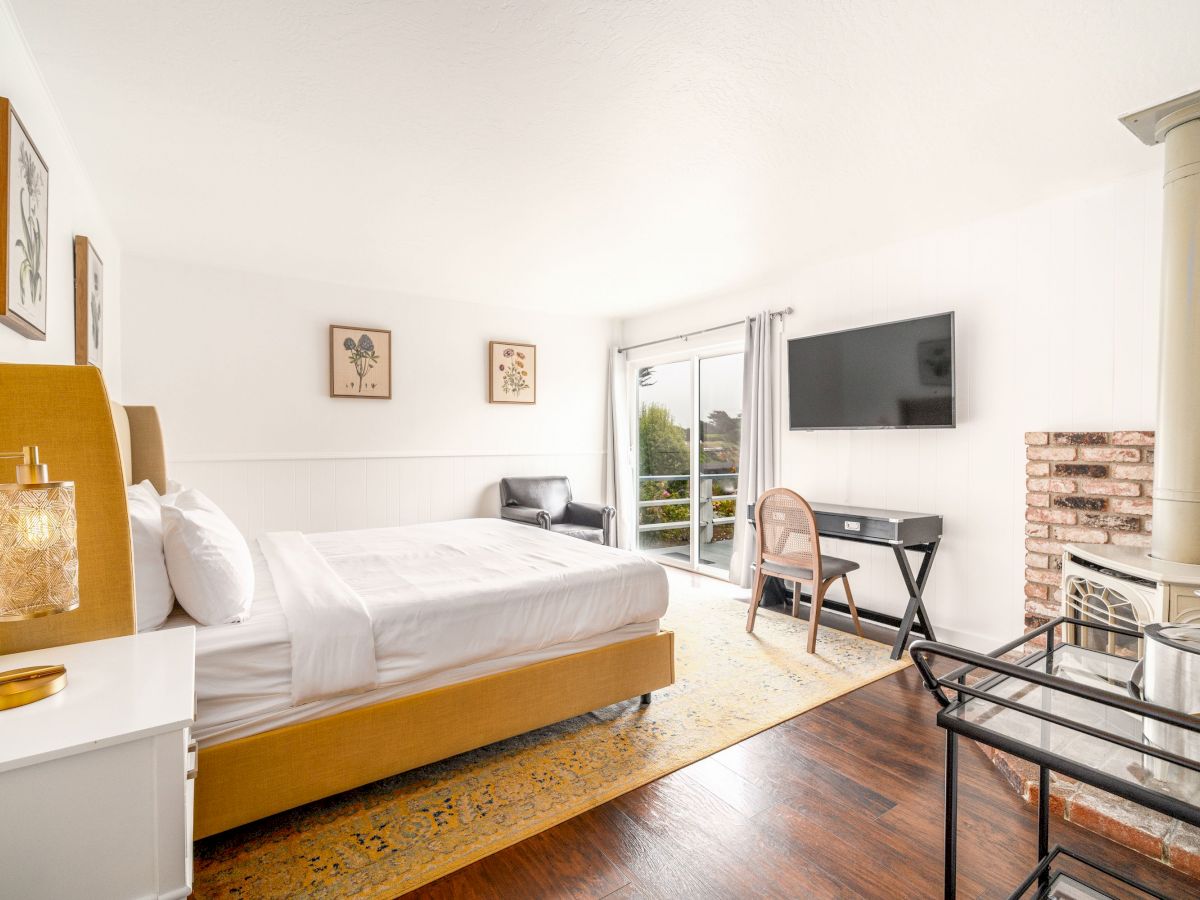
(96, 781)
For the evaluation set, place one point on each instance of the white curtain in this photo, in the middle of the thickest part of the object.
(756, 461)
(619, 472)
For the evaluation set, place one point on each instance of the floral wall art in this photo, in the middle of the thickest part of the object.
(360, 362)
(512, 372)
(89, 304)
(24, 222)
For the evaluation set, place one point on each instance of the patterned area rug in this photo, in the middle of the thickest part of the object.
(394, 835)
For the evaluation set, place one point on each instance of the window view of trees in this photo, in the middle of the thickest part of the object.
(665, 466)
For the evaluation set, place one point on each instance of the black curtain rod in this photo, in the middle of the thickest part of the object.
(774, 314)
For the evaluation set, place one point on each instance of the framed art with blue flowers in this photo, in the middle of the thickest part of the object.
(24, 225)
(360, 362)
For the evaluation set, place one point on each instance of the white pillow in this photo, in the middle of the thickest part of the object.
(174, 489)
(151, 586)
(208, 560)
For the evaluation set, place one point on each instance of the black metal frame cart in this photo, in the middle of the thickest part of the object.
(1066, 709)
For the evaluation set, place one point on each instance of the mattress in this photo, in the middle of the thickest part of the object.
(480, 597)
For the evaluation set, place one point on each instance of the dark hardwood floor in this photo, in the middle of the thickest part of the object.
(842, 801)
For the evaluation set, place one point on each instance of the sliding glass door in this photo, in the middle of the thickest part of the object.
(689, 414)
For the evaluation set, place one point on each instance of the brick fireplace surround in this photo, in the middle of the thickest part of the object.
(1090, 487)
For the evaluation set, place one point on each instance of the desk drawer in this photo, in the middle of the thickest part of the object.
(857, 527)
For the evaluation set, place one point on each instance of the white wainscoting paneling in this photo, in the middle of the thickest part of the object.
(336, 493)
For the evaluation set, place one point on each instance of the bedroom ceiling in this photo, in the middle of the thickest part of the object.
(589, 157)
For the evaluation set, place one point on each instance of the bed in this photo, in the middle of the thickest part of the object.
(597, 640)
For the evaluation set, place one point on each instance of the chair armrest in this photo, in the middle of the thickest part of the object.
(593, 515)
(526, 514)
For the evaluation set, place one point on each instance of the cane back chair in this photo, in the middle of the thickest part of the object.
(789, 548)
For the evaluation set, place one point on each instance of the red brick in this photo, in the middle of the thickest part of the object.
(1126, 823)
(1038, 546)
(1183, 849)
(1132, 505)
(1037, 499)
(1081, 470)
(1112, 522)
(1133, 438)
(1053, 516)
(1131, 540)
(1079, 437)
(1033, 438)
(1080, 535)
(1061, 794)
(1111, 488)
(1042, 576)
(1110, 454)
(1034, 530)
(1050, 485)
(1037, 560)
(1093, 504)
(1042, 608)
(1035, 591)
(1037, 469)
(1138, 507)
(1134, 473)
(1055, 453)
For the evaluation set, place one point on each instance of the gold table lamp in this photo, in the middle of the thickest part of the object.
(39, 566)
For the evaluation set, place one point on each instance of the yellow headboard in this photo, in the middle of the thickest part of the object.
(64, 410)
(140, 440)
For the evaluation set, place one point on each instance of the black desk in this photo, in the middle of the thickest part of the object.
(902, 531)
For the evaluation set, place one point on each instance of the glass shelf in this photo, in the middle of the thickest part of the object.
(1103, 671)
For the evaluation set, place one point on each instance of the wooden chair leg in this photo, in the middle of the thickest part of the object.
(755, 596)
(850, 603)
(814, 615)
(796, 599)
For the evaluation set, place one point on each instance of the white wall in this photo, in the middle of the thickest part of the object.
(1056, 329)
(238, 365)
(73, 210)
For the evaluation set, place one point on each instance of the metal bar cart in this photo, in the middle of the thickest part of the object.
(1065, 708)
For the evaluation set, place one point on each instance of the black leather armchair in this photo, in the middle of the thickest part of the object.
(547, 503)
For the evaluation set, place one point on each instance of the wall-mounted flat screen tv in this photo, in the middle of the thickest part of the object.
(897, 375)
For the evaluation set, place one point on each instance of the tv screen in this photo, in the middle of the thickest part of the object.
(898, 375)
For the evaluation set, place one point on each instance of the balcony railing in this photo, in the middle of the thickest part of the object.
(706, 501)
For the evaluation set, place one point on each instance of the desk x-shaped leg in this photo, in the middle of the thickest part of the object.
(916, 587)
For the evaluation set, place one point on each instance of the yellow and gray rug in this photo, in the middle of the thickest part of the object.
(394, 835)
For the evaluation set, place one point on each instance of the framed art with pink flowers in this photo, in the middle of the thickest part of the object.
(512, 372)
(360, 362)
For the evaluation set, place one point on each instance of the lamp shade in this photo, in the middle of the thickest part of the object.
(39, 555)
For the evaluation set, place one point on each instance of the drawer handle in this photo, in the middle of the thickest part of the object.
(193, 748)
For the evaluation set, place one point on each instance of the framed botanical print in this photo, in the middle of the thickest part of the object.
(89, 304)
(360, 362)
(512, 372)
(24, 224)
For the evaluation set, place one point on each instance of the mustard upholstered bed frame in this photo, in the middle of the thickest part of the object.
(65, 410)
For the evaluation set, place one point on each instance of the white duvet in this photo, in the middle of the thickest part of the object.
(438, 597)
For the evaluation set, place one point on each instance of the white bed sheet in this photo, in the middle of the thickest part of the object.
(476, 609)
